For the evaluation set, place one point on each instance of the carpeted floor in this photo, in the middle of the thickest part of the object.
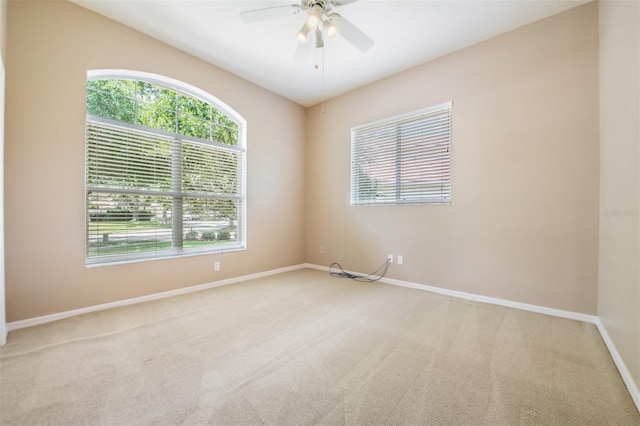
(302, 348)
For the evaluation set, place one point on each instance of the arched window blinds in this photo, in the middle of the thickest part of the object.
(164, 170)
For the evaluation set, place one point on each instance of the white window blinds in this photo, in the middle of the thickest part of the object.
(404, 159)
(151, 194)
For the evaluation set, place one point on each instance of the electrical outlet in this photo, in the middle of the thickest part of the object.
(321, 250)
(390, 258)
(400, 259)
(216, 266)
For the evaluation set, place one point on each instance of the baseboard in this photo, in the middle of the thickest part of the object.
(622, 367)
(496, 301)
(30, 322)
(482, 299)
(3, 333)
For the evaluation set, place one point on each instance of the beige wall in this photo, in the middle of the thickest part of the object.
(619, 281)
(523, 224)
(51, 45)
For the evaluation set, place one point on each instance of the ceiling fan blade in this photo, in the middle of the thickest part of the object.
(352, 34)
(268, 13)
(343, 2)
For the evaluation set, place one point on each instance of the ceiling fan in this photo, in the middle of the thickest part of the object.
(321, 20)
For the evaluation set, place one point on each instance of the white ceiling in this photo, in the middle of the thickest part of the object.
(406, 33)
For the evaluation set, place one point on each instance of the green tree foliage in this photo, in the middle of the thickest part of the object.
(156, 107)
(113, 99)
(151, 105)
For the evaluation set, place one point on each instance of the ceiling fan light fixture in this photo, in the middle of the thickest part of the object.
(313, 18)
(330, 28)
(303, 34)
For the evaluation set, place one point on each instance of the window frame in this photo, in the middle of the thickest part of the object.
(359, 138)
(180, 88)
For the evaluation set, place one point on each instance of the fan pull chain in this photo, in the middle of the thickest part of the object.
(323, 68)
(322, 75)
(315, 67)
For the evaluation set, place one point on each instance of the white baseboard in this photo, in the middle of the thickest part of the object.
(496, 301)
(482, 299)
(622, 368)
(30, 322)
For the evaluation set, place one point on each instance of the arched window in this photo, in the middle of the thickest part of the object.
(164, 169)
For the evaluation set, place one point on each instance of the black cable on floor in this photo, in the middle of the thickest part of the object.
(372, 277)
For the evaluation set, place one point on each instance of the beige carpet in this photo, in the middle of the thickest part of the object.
(303, 348)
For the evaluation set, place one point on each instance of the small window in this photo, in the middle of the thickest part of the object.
(404, 159)
(164, 170)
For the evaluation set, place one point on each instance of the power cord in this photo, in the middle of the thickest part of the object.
(372, 277)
